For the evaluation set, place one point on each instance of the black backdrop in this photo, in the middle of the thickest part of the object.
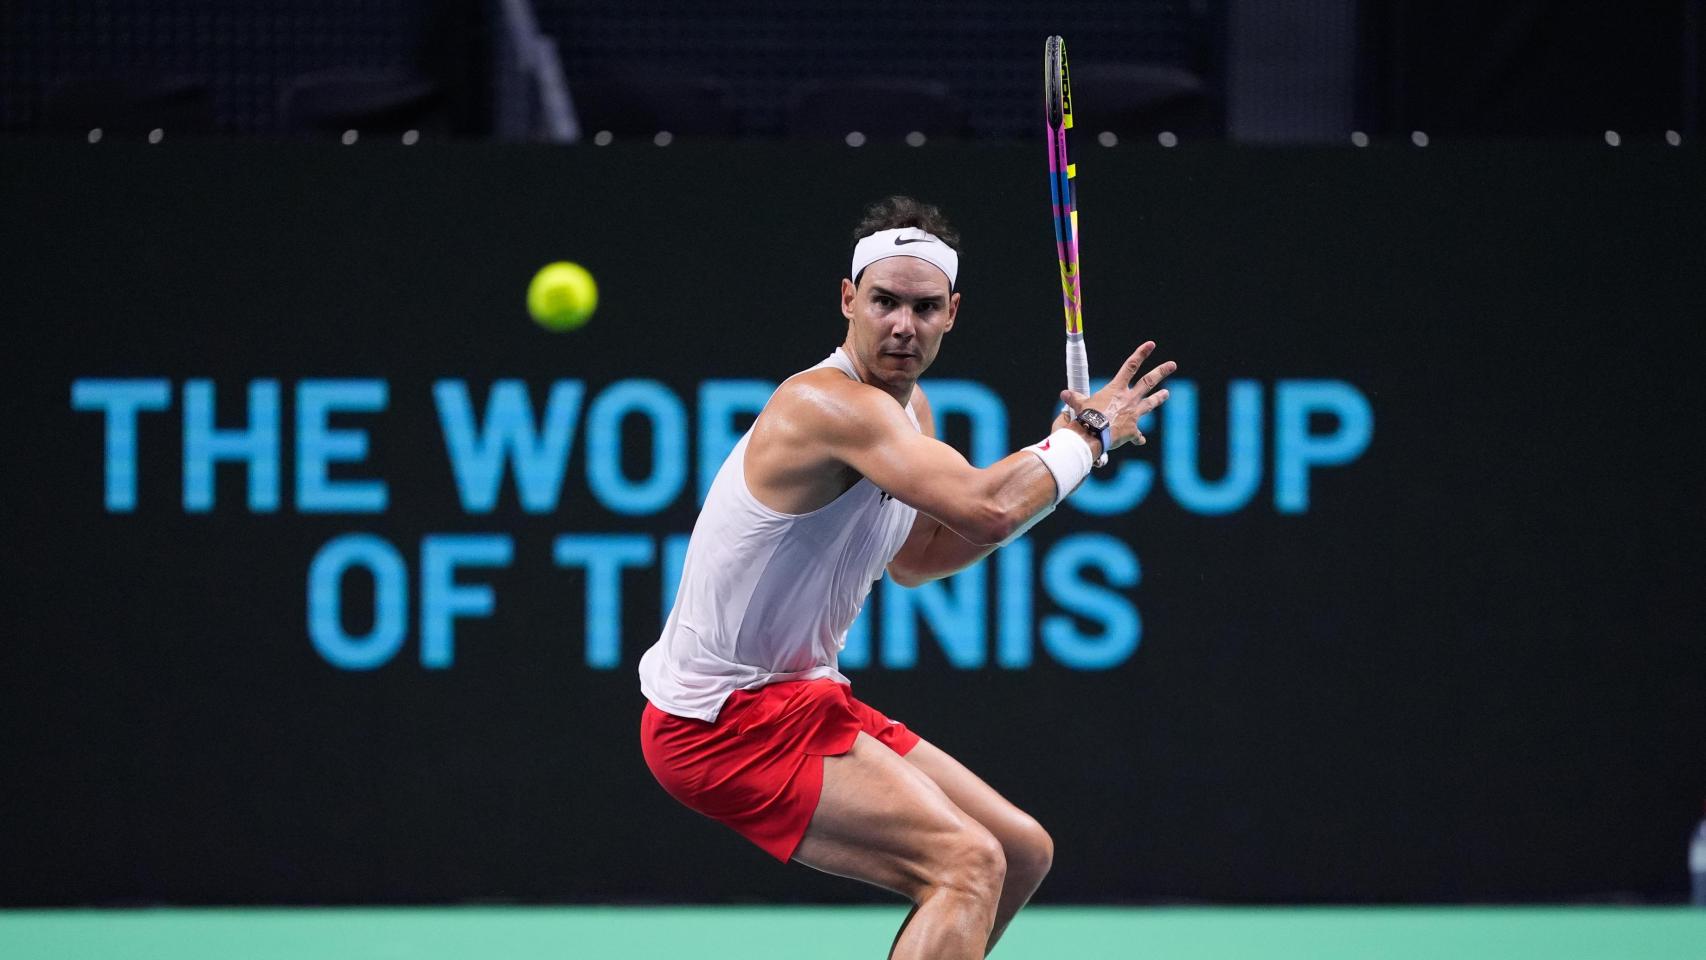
(1471, 669)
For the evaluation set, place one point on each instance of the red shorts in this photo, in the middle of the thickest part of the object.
(759, 767)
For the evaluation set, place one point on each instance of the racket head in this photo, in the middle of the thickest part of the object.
(1063, 193)
(1056, 104)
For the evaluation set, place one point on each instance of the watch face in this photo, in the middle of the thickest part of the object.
(1093, 419)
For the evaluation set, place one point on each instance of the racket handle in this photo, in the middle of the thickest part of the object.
(1077, 365)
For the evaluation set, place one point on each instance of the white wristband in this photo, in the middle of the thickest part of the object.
(1067, 456)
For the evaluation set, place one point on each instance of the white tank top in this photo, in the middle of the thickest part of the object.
(766, 596)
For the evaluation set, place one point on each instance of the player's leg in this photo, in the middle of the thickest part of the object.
(1026, 846)
(880, 820)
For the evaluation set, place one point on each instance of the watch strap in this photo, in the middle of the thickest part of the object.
(1104, 430)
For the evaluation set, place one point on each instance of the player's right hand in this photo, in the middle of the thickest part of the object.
(1123, 401)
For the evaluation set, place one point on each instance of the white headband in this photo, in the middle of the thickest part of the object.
(906, 242)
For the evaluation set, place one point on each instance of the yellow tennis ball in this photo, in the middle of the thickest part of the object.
(562, 296)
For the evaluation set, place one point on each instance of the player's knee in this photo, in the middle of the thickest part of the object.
(973, 863)
(1030, 851)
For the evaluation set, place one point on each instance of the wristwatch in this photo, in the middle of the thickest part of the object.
(1094, 420)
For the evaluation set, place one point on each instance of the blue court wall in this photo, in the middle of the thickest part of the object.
(328, 571)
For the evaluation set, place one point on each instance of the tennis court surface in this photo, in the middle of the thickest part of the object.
(834, 933)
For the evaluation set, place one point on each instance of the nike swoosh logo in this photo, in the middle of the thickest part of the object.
(899, 242)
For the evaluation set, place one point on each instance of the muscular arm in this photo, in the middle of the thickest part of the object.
(964, 511)
(871, 434)
(821, 426)
(933, 551)
(936, 547)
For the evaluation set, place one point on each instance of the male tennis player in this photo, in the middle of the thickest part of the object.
(749, 721)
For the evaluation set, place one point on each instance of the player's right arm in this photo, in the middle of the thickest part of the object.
(868, 431)
(985, 506)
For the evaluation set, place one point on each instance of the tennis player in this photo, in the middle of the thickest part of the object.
(749, 721)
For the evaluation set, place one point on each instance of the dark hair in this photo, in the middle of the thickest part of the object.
(890, 213)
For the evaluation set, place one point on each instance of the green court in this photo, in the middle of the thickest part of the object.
(852, 933)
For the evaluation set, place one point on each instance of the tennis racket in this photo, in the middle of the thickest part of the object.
(1063, 192)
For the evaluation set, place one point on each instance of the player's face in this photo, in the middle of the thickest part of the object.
(897, 316)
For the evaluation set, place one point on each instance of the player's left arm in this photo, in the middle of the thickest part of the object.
(933, 551)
